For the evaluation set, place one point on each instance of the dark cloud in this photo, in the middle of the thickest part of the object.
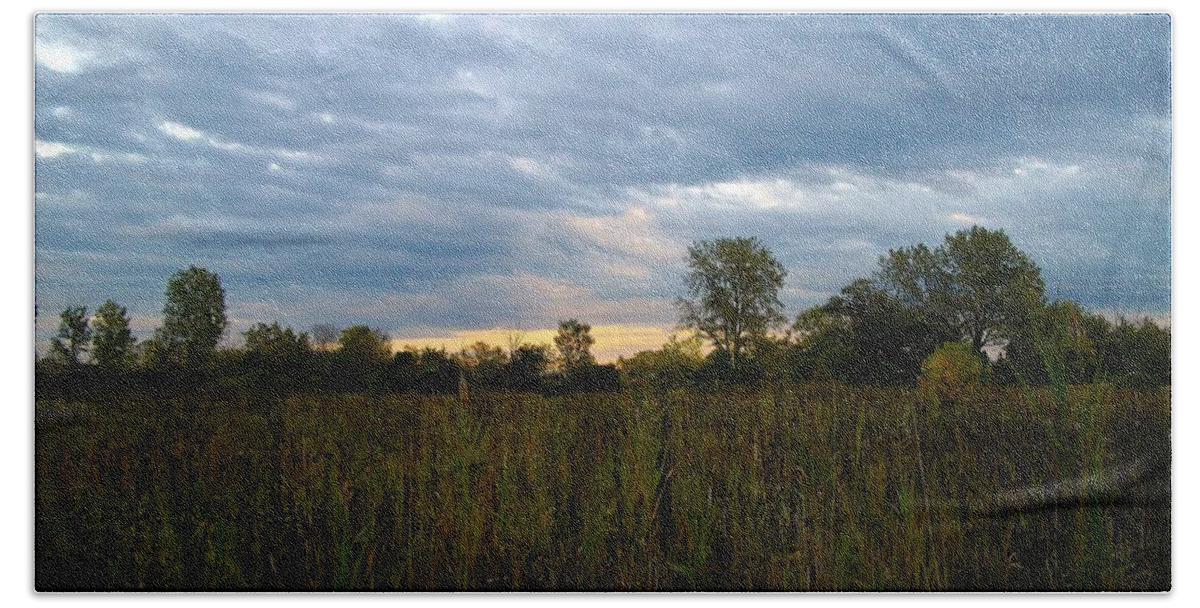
(328, 166)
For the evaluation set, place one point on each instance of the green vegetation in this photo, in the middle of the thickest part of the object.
(73, 338)
(815, 487)
(872, 446)
(733, 294)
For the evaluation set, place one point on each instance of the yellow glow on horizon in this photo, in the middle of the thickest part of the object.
(612, 341)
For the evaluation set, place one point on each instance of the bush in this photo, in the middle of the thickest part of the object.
(949, 372)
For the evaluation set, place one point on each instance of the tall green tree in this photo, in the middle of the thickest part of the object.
(73, 336)
(193, 317)
(112, 341)
(733, 289)
(574, 342)
(977, 283)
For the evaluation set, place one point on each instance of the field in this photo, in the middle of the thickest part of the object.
(816, 487)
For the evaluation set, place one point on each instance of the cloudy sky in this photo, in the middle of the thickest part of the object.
(456, 173)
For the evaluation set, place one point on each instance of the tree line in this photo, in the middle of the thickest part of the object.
(100, 353)
(974, 292)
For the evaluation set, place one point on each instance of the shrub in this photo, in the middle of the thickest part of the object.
(949, 372)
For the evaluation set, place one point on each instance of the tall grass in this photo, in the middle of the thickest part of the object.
(796, 488)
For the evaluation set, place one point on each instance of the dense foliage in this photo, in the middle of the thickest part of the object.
(976, 288)
(816, 487)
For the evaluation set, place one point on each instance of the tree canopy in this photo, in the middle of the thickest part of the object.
(112, 341)
(574, 342)
(977, 283)
(73, 336)
(733, 289)
(193, 317)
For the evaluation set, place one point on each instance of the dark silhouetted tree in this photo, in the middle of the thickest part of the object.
(574, 341)
(887, 340)
(675, 365)
(1139, 354)
(324, 335)
(436, 372)
(823, 349)
(733, 289)
(485, 365)
(112, 341)
(363, 358)
(526, 367)
(1061, 341)
(73, 336)
(277, 357)
(193, 317)
(364, 345)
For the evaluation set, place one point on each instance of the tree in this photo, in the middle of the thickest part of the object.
(1139, 355)
(73, 336)
(193, 317)
(276, 355)
(363, 358)
(526, 366)
(977, 283)
(112, 342)
(949, 373)
(675, 365)
(823, 347)
(864, 335)
(733, 289)
(485, 364)
(573, 341)
(436, 373)
(365, 346)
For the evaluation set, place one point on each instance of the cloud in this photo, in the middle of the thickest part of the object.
(51, 149)
(60, 57)
(475, 170)
(180, 132)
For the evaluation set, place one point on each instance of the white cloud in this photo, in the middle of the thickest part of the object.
(527, 166)
(272, 99)
(632, 235)
(179, 131)
(51, 149)
(61, 57)
(966, 218)
(185, 133)
(746, 193)
(1034, 166)
(104, 157)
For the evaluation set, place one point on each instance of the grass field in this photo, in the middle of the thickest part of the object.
(804, 488)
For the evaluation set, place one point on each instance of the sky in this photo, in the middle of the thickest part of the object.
(448, 175)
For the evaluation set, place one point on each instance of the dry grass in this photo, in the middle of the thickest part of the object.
(815, 487)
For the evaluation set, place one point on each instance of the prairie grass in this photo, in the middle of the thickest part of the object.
(817, 487)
